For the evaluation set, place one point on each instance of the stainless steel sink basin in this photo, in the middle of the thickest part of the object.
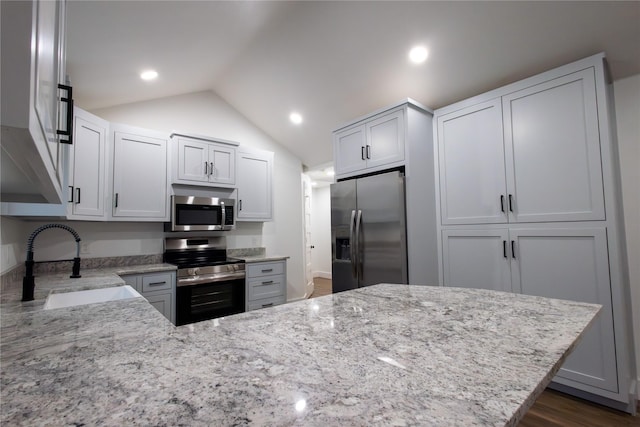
(70, 299)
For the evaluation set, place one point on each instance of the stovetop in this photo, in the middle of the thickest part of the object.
(197, 252)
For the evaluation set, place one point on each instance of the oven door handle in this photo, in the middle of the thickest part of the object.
(198, 280)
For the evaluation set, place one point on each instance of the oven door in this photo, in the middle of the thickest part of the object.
(205, 301)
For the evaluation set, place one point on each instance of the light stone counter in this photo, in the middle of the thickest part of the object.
(262, 258)
(91, 279)
(381, 355)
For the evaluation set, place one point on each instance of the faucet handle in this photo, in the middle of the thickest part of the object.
(75, 271)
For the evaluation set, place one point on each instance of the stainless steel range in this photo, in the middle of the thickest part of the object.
(209, 284)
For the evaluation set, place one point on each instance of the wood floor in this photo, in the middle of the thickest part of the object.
(552, 409)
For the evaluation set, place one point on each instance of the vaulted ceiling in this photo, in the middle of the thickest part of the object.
(332, 61)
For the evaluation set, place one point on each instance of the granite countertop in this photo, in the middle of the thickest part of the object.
(381, 355)
(91, 279)
(262, 258)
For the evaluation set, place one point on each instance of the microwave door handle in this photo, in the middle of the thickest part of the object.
(224, 217)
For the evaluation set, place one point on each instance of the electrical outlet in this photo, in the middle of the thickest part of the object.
(84, 248)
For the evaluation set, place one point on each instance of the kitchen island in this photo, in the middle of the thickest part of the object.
(382, 355)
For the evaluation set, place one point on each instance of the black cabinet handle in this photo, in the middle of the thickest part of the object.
(116, 200)
(211, 169)
(78, 194)
(502, 203)
(504, 248)
(513, 249)
(71, 187)
(268, 282)
(362, 152)
(69, 101)
(157, 283)
(368, 151)
(240, 204)
(206, 165)
(268, 270)
(267, 305)
(510, 203)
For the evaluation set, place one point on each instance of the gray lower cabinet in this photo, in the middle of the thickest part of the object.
(157, 288)
(266, 284)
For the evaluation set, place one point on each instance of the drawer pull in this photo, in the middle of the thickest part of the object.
(268, 282)
(267, 270)
(267, 305)
(157, 283)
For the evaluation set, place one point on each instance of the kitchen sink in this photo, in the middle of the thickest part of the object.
(92, 296)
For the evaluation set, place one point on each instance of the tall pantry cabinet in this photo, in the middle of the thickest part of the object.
(529, 202)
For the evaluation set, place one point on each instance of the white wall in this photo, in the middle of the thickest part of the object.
(99, 239)
(13, 240)
(321, 232)
(627, 104)
(205, 113)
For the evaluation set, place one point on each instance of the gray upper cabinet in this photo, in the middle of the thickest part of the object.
(140, 182)
(88, 164)
(530, 156)
(255, 185)
(473, 184)
(374, 144)
(553, 151)
(203, 161)
(32, 107)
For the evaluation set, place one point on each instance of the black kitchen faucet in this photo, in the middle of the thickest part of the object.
(28, 282)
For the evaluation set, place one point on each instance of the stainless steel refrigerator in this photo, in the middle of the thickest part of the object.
(368, 231)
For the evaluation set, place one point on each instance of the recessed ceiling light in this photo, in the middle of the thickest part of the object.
(295, 118)
(149, 75)
(418, 54)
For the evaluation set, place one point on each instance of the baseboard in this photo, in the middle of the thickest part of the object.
(322, 274)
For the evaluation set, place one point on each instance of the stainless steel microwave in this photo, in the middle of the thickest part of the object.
(190, 213)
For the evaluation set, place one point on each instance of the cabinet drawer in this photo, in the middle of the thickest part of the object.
(266, 287)
(264, 303)
(156, 282)
(264, 269)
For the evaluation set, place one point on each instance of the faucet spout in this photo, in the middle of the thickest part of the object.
(28, 282)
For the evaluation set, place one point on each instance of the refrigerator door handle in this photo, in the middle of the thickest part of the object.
(352, 244)
(359, 264)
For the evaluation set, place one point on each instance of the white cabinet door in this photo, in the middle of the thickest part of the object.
(553, 151)
(200, 162)
(471, 156)
(349, 150)
(139, 176)
(33, 63)
(46, 84)
(193, 160)
(476, 259)
(87, 166)
(385, 140)
(255, 188)
(222, 164)
(572, 264)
